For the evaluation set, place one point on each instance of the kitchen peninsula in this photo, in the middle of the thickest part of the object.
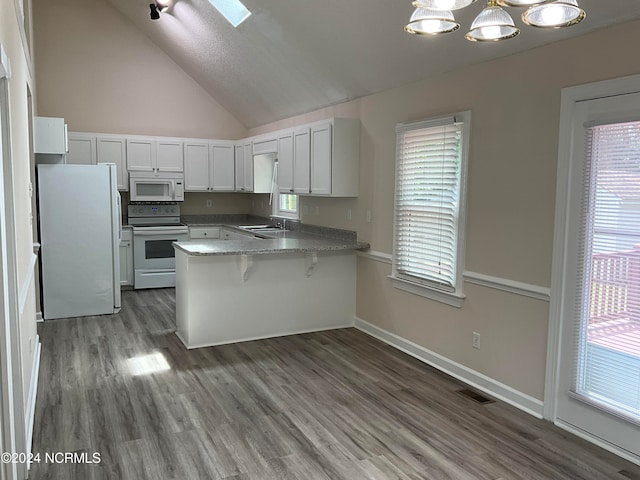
(281, 283)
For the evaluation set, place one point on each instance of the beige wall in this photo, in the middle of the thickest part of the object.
(515, 104)
(100, 73)
(21, 76)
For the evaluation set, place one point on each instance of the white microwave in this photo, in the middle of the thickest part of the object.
(156, 187)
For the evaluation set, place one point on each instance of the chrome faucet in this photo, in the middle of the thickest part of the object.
(282, 224)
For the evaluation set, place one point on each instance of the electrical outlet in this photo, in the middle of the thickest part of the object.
(349, 214)
(476, 341)
(368, 216)
(209, 203)
(305, 209)
(317, 211)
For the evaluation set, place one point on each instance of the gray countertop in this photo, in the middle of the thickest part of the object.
(286, 241)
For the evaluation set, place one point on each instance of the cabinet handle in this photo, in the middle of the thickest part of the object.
(291, 190)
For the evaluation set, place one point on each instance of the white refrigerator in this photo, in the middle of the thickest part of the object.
(80, 233)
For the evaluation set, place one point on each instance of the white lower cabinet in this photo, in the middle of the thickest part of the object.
(126, 257)
(204, 232)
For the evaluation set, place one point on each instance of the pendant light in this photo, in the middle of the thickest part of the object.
(492, 24)
(427, 21)
(443, 4)
(561, 13)
(432, 17)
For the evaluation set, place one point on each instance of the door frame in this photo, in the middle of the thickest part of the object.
(12, 424)
(559, 273)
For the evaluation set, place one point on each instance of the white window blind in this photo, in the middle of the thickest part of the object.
(608, 336)
(427, 203)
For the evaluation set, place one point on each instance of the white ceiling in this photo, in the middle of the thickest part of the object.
(292, 57)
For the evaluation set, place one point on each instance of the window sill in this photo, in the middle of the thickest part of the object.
(449, 298)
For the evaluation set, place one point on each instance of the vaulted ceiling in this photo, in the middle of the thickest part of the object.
(291, 57)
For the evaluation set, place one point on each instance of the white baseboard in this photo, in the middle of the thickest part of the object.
(30, 412)
(598, 441)
(475, 379)
(39, 317)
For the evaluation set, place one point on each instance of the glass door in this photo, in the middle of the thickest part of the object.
(599, 375)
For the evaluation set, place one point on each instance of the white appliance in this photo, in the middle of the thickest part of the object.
(155, 227)
(156, 187)
(80, 232)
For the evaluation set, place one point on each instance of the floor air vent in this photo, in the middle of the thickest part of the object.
(475, 396)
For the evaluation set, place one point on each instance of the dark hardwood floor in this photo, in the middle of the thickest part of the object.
(330, 405)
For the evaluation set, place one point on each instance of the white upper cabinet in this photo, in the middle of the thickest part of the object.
(140, 155)
(196, 166)
(209, 167)
(244, 166)
(321, 159)
(154, 154)
(169, 155)
(268, 144)
(285, 162)
(301, 160)
(335, 155)
(223, 167)
(49, 135)
(112, 149)
(82, 149)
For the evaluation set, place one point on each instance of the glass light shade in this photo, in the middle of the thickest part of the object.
(554, 14)
(519, 3)
(442, 4)
(491, 25)
(426, 21)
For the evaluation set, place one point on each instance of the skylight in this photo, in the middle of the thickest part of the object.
(233, 10)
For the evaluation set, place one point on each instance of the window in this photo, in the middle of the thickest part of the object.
(286, 206)
(609, 270)
(431, 159)
(233, 10)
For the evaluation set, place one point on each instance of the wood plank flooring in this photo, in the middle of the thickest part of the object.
(329, 405)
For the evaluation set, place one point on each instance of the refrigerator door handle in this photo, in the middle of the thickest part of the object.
(119, 217)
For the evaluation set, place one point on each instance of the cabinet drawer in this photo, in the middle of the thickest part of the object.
(204, 232)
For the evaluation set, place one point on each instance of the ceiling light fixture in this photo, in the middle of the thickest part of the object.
(433, 17)
(427, 21)
(554, 15)
(493, 24)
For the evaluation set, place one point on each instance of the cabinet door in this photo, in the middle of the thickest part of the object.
(196, 167)
(248, 168)
(82, 149)
(285, 163)
(49, 135)
(265, 145)
(126, 258)
(223, 167)
(140, 155)
(301, 160)
(169, 156)
(239, 167)
(112, 150)
(321, 160)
